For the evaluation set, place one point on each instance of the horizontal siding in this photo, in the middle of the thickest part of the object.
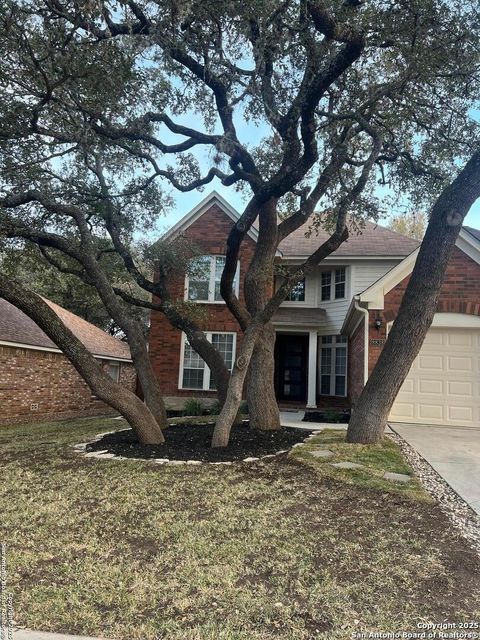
(365, 274)
(336, 312)
(360, 275)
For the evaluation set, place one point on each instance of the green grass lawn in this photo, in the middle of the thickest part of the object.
(375, 462)
(286, 549)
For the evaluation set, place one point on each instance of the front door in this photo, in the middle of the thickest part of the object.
(291, 354)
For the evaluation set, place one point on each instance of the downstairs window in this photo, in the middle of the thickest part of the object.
(194, 373)
(333, 366)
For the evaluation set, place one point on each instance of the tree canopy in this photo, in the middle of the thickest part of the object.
(412, 225)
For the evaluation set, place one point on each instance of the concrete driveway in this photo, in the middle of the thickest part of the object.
(454, 452)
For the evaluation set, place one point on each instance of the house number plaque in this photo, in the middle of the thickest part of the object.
(378, 341)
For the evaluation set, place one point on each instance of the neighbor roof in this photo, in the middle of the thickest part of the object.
(18, 328)
(372, 240)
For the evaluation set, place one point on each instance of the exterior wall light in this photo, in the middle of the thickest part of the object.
(378, 323)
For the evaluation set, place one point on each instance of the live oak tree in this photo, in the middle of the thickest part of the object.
(57, 194)
(349, 94)
(418, 305)
(124, 401)
(74, 246)
(345, 95)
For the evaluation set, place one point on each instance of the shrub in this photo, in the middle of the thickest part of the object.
(333, 415)
(193, 407)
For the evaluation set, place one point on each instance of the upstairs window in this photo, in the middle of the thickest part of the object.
(297, 294)
(199, 278)
(333, 284)
(326, 279)
(203, 281)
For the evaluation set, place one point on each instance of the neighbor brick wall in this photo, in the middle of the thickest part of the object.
(356, 355)
(49, 380)
(209, 232)
(460, 293)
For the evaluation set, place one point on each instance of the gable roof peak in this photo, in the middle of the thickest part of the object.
(204, 205)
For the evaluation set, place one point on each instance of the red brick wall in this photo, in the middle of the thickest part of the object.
(49, 380)
(209, 232)
(460, 294)
(356, 355)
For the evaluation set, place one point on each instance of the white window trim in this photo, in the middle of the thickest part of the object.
(207, 372)
(333, 347)
(211, 284)
(332, 284)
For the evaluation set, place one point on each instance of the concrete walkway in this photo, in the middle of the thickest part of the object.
(454, 452)
(294, 419)
(25, 634)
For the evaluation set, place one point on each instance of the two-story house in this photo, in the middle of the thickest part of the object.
(332, 328)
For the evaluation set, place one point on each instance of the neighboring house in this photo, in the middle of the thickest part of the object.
(333, 327)
(38, 383)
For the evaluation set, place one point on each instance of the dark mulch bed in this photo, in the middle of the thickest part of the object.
(333, 416)
(192, 442)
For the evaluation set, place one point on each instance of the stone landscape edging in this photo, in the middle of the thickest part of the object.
(81, 448)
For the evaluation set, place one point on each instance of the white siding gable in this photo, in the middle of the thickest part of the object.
(366, 273)
(360, 275)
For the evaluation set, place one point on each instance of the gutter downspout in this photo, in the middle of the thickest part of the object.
(365, 359)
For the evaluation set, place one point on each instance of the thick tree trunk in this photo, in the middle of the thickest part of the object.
(418, 306)
(259, 280)
(124, 401)
(136, 340)
(152, 393)
(261, 303)
(230, 409)
(262, 403)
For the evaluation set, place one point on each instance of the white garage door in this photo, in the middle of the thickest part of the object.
(443, 386)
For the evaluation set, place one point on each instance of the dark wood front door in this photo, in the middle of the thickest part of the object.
(291, 354)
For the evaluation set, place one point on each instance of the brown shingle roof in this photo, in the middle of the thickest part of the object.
(373, 240)
(17, 327)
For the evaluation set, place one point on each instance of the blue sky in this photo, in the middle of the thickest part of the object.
(473, 217)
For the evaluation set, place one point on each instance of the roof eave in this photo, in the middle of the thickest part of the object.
(37, 347)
